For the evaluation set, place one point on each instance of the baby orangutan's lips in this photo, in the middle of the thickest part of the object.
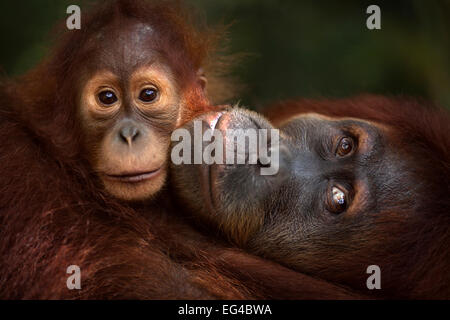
(133, 177)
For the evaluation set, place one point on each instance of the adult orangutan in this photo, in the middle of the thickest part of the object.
(362, 182)
(84, 161)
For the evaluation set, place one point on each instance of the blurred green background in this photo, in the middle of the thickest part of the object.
(295, 48)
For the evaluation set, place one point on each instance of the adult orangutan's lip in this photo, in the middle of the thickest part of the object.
(205, 170)
(215, 120)
(134, 177)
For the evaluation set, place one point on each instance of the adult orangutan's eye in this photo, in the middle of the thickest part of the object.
(345, 146)
(148, 95)
(107, 97)
(337, 200)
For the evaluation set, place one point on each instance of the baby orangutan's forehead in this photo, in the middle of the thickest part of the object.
(121, 50)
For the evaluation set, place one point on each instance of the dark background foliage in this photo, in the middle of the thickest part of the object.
(293, 48)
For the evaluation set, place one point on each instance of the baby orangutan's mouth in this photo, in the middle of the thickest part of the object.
(134, 177)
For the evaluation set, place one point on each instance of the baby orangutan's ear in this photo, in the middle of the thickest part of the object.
(201, 78)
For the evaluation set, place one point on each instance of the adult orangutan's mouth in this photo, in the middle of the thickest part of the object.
(205, 169)
(134, 177)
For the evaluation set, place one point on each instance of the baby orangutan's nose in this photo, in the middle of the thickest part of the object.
(129, 133)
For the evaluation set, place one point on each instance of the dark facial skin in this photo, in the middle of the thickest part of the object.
(335, 207)
(129, 104)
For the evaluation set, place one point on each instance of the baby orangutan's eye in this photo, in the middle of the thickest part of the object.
(148, 95)
(107, 97)
(337, 200)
